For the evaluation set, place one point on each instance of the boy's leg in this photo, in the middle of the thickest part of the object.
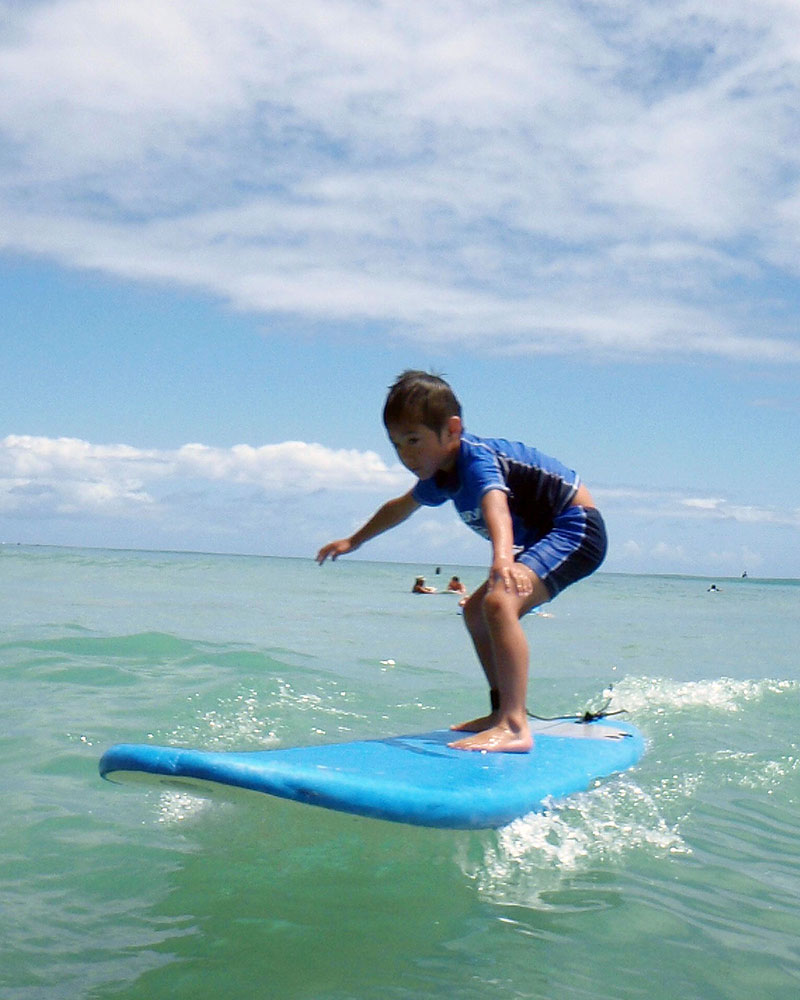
(574, 548)
(507, 660)
(478, 629)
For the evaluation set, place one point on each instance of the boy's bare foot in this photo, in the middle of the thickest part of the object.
(477, 725)
(498, 739)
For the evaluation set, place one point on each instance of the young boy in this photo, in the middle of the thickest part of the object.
(540, 519)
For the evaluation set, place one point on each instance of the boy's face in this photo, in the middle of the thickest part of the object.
(423, 451)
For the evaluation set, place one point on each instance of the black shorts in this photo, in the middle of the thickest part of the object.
(574, 547)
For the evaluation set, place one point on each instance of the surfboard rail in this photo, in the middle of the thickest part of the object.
(414, 779)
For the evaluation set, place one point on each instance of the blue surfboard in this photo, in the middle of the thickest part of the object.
(413, 779)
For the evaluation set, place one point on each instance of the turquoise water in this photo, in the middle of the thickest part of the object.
(680, 878)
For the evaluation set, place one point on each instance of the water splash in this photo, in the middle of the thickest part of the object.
(265, 720)
(749, 770)
(659, 695)
(649, 815)
(536, 854)
(178, 806)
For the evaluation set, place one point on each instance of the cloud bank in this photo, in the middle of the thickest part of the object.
(616, 178)
(291, 497)
(69, 476)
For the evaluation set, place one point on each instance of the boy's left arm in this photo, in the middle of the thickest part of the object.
(504, 570)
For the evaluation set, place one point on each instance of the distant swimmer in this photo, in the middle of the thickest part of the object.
(455, 586)
(420, 587)
(713, 589)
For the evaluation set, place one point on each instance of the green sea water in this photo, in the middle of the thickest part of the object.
(680, 878)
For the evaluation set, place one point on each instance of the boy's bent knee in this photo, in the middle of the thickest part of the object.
(499, 604)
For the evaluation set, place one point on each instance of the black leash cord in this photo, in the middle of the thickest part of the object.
(587, 716)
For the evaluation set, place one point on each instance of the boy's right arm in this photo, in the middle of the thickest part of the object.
(392, 513)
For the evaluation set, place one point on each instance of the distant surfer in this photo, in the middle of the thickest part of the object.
(420, 587)
(541, 521)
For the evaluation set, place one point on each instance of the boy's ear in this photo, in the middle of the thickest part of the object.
(454, 427)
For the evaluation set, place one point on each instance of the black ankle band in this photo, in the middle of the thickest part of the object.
(494, 698)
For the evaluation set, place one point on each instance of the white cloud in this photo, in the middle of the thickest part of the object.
(670, 531)
(291, 465)
(662, 551)
(67, 476)
(675, 505)
(614, 178)
(703, 503)
(744, 513)
(291, 497)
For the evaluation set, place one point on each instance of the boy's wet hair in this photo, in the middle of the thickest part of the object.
(421, 398)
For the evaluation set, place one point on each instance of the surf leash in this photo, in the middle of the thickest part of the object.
(590, 715)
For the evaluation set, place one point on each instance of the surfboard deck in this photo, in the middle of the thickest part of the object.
(414, 779)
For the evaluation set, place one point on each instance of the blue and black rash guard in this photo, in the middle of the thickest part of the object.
(538, 487)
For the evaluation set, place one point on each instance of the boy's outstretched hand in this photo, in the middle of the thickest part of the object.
(334, 550)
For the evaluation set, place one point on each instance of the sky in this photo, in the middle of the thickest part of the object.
(226, 228)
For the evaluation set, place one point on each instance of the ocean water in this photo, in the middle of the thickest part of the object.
(680, 878)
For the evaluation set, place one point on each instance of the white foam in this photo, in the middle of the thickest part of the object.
(178, 806)
(534, 855)
(235, 722)
(538, 854)
(749, 770)
(658, 695)
(252, 718)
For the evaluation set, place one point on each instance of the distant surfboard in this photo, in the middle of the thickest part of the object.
(413, 779)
